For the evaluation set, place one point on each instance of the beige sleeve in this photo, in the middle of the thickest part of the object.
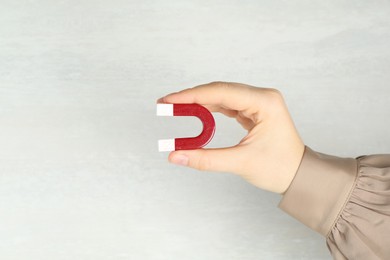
(346, 200)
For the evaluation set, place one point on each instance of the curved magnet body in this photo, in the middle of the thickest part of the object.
(187, 143)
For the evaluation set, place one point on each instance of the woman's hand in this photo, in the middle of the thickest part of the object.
(268, 156)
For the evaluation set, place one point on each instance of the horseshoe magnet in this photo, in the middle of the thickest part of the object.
(187, 143)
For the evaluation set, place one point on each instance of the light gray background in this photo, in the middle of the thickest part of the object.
(80, 175)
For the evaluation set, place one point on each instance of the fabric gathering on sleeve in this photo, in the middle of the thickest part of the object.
(346, 200)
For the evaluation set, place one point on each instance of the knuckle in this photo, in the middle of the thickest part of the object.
(274, 93)
(274, 96)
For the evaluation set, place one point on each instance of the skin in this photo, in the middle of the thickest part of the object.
(268, 156)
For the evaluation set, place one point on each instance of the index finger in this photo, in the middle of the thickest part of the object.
(217, 95)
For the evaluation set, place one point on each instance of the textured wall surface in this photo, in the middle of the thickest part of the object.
(80, 175)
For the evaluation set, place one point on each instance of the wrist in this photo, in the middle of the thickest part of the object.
(292, 163)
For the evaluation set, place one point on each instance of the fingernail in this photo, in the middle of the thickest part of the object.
(180, 159)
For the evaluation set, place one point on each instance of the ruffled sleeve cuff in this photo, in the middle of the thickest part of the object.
(320, 190)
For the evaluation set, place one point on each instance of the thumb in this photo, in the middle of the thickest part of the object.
(216, 160)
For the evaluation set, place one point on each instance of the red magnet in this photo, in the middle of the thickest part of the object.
(187, 143)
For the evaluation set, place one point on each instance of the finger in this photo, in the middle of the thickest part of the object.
(226, 112)
(211, 108)
(216, 160)
(160, 100)
(233, 96)
(246, 123)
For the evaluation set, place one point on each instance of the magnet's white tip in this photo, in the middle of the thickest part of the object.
(165, 109)
(166, 145)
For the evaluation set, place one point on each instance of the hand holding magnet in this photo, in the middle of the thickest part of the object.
(270, 153)
(187, 143)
